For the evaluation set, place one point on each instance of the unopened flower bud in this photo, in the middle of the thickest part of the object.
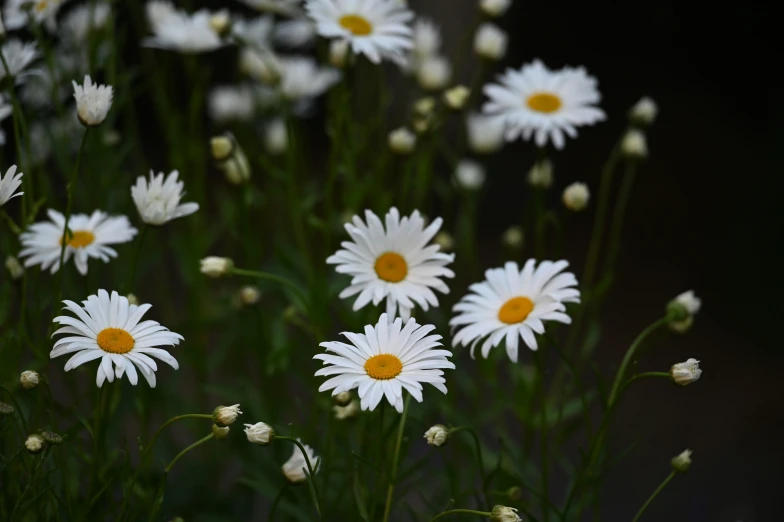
(216, 266)
(35, 443)
(425, 106)
(220, 22)
(132, 299)
(504, 514)
(421, 124)
(514, 493)
(338, 53)
(28, 379)
(634, 145)
(220, 432)
(444, 240)
(434, 73)
(6, 409)
(682, 462)
(52, 438)
(685, 373)
(221, 147)
(259, 433)
(575, 196)
(349, 411)
(236, 168)
(513, 237)
(485, 133)
(402, 141)
(276, 137)
(14, 267)
(494, 7)
(470, 175)
(226, 415)
(644, 112)
(249, 295)
(342, 398)
(682, 309)
(437, 435)
(490, 42)
(456, 97)
(541, 174)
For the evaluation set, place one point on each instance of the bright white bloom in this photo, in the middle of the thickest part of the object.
(299, 32)
(43, 12)
(349, 411)
(259, 433)
(18, 56)
(470, 175)
(14, 267)
(34, 443)
(226, 415)
(681, 463)
(296, 468)
(93, 102)
(490, 42)
(504, 514)
(283, 7)
(513, 237)
(512, 303)
(338, 53)
(426, 38)
(158, 200)
(494, 7)
(276, 137)
(231, 103)
(634, 144)
(110, 328)
(456, 97)
(575, 197)
(28, 379)
(393, 262)
(686, 372)
(376, 28)
(8, 185)
(249, 295)
(644, 112)
(216, 266)
(385, 360)
(485, 133)
(301, 77)
(402, 141)
(541, 174)
(89, 237)
(437, 435)
(83, 19)
(689, 301)
(434, 73)
(537, 102)
(176, 30)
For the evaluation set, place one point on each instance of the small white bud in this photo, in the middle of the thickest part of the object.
(6, 409)
(259, 433)
(494, 7)
(490, 42)
(236, 168)
(52, 438)
(342, 398)
(14, 267)
(682, 462)
(249, 295)
(504, 514)
(276, 137)
(685, 373)
(682, 310)
(28, 379)
(456, 97)
(425, 106)
(634, 144)
(421, 124)
(402, 141)
(220, 432)
(470, 175)
(644, 112)
(485, 133)
(338, 53)
(221, 147)
(434, 73)
(444, 240)
(220, 22)
(226, 415)
(216, 266)
(35, 443)
(437, 435)
(541, 174)
(513, 237)
(132, 299)
(575, 196)
(349, 411)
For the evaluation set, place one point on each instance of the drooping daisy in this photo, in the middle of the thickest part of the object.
(110, 328)
(89, 237)
(512, 303)
(537, 102)
(176, 30)
(384, 361)
(18, 56)
(296, 468)
(376, 28)
(8, 185)
(158, 200)
(393, 263)
(93, 101)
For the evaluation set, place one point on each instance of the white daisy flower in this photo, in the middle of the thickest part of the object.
(543, 104)
(158, 200)
(301, 77)
(43, 11)
(256, 32)
(512, 303)
(282, 7)
(376, 28)
(393, 263)
(296, 468)
(89, 237)
(8, 185)
(384, 361)
(83, 19)
(295, 33)
(111, 329)
(18, 55)
(93, 102)
(231, 103)
(176, 30)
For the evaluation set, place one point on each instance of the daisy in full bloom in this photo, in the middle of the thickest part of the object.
(376, 28)
(110, 328)
(89, 237)
(8, 185)
(544, 104)
(93, 102)
(512, 303)
(18, 55)
(176, 30)
(158, 201)
(393, 263)
(43, 12)
(384, 361)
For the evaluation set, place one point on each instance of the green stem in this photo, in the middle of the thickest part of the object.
(395, 460)
(461, 511)
(630, 353)
(653, 496)
(11, 223)
(619, 215)
(135, 265)
(311, 475)
(277, 500)
(271, 277)
(186, 450)
(480, 460)
(544, 437)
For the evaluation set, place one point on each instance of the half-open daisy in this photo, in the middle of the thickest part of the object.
(535, 101)
(512, 303)
(384, 361)
(376, 28)
(393, 263)
(88, 237)
(110, 328)
(158, 200)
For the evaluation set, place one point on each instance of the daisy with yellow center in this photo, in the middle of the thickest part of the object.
(88, 236)
(511, 304)
(110, 328)
(376, 28)
(538, 103)
(391, 261)
(387, 359)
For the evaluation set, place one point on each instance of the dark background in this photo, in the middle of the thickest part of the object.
(703, 216)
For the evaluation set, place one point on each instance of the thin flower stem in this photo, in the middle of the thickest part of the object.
(461, 511)
(479, 459)
(639, 376)
(654, 495)
(630, 353)
(277, 500)
(186, 450)
(619, 216)
(271, 277)
(11, 223)
(544, 437)
(395, 460)
(311, 476)
(18, 409)
(135, 265)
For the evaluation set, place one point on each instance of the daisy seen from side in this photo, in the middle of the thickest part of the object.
(8, 185)
(158, 199)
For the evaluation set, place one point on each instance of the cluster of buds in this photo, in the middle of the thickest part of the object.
(230, 158)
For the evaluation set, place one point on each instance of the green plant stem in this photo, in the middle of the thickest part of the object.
(395, 460)
(544, 437)
(630, 353)
(461, 511)
(16, 405)
(277, 500)
(11, 223)
(479, 458)
(311, 473)
(654, 495)
(135, 265)
(272, 277)
(619, 216)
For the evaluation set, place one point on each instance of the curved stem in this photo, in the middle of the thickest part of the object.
(271, 277)
(463, 511)
(639, 376)
(630, 353)
(277, 500)
(480, 460)
(653, 496)
(186, 450)
(311, 475)
(395, 460)
(619, 215)
(18, 409)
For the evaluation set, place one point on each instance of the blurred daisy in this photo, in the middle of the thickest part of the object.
(5, 111)
(89, 237)
(384, 361)
(18, 56)
(111, 329)
(93, 102)
(231, 103)
(8, 185)
(393, 263)
(301, 77)
(375, 28)
(485, 133)
(295, 33)
(426, 37)
(83, 19)
(543, 104)
(283, 7)
(256, 33)
(158, 200)
(43, 12)
(176, 30)
(296, 468)
(512, 303)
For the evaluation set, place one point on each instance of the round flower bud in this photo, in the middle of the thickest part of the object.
(456, 97)
(504, 514)
(437, 435)
(485, 134)
(132, 299)
(682, 309)
(6, 409)
(219, 432)
(349, 411)
(221, 147)
(28, 379)
(634, 145)
(249, 295)
(513, 237)
(259, 433)
(342, 398)
(444, 240)
(682, 462)
(421, 124)
(514, 493)
(494, 7)
(685, 373)
(470, 175)
(434, 73)
(216, 266)
(52, 438)
(490, 42)
(14, 267)
(575, 196)
(338, 53)
(541, 174)
(425, 106)
(226, 415)
(402, 141)
(35, 443)
(276, 137)
(644, 112)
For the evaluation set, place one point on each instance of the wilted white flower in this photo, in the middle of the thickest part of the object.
(513, 237)
(485, 133)
(276, 137)
(434, 73)
(456, 97)
(469, 174)
(575, 196)
(644, 112)
(231, 103)
(176, 30)
(682, 462)
(445, 240)
(301, 77)
(158, 200)
(35, 443)
(504, 514)
(83, 19)
(296, 468)
(490, 42)
(28, 379)
(298, 32)
(18, 56)
(437, 435)
(216, 266)
(686, 372)
(338, 52)
(259, 433)
(14, 267)
(93, 102)
(349, 411)
(402, 141)
(226, 415)
(634, 145)
(494, 7)
(249, 295)
(541, 174)
(8, 185)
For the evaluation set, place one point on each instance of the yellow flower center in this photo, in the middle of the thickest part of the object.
(356, 24)
(41, 6)
(383, 367)
(391, 267)
(79, 238)
(544, 102)
(115, 340)
(515, 310)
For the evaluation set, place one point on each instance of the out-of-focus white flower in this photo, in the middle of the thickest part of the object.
(402, 141)
(18, 56)
(220, 22)
(93, 102)
(5, 111)
(682, 310)
(426, 38)
(213, 266)
(158, 200)
(255, 33)
(295, 33)
(494, 7)
(490, 42)
(425, 106)
(301, 77)
(226, 415)
(35, 443)
(686, 372)
(575, 197)
(634, 145)
(249, 295)
(231, 103)
(176, 30)
(504, 514)
(8, 185)
(349, 411)
(445, 240)
(259, 433)
(338, 52)
(15, 13)
(434, 73)
(83, 19)
(644, 112)
(437, 435)
(282, 7)
(28, 379)
(485, 133)
(513, 237)
(681, 463)
(469, 174)
(342, 398)
(541, 174)
(14, 267)
(261, 65)
(296, 468)
(276, 137)
(456, 97)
